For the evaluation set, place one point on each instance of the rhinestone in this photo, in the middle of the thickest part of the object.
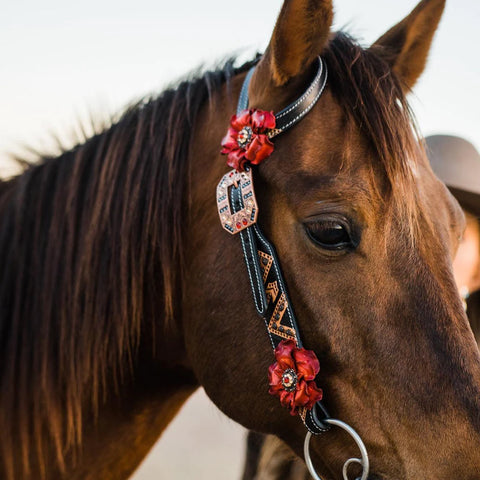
(289, 380)
(244, 137)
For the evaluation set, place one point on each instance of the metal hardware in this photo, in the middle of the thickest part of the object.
(234, 222)
(364, 462)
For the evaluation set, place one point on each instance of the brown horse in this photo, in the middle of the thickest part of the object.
(120, 293)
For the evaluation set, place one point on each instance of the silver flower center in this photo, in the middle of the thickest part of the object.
(289, 380)
(244, 137)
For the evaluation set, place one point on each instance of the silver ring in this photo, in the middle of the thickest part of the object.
(364, 462)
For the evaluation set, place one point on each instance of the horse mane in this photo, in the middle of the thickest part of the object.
(373, 96)
(87, 239)
(91, 238)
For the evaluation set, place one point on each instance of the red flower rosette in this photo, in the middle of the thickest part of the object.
(292, 377)
(247, 138)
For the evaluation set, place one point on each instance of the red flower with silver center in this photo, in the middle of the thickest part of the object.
(292, 377)
(247, 138)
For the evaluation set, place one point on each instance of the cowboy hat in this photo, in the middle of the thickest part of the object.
(457, 163)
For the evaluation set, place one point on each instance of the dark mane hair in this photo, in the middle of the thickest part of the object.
(83, 235)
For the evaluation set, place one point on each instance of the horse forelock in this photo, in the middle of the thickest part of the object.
(373, 97)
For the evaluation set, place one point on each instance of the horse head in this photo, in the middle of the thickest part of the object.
(121, 293)
(365, 235)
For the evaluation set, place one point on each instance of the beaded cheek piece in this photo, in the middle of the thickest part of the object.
(292, 376)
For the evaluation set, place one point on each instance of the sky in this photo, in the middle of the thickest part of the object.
(63, 62)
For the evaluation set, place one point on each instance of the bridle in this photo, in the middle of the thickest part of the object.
(238, 211)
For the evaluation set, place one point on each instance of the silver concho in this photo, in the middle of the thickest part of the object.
(244, 137)
(289, 380)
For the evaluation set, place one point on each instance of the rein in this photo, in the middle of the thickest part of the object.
(248, 142)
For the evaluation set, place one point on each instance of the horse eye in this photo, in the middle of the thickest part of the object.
(330, 234)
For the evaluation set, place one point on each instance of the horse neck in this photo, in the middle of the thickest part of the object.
(104, 364)
(117, 440)
(118, 437)
(91, 248)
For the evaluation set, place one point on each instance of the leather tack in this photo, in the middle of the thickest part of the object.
(268, 286)
(292, 114)
(271, 298)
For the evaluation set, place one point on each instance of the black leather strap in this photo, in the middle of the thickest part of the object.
(266, 280)
(243, 99)
(292, 114)
(250, 249)
(271, 297)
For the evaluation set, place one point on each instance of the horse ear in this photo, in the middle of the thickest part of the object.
(406, 45)
(300, 34)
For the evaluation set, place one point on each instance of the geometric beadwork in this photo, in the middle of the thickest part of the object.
(271, 291)
(266, 262)
(275, 325)
(280, 305)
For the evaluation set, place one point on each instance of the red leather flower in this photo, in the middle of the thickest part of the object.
(292, 377)
(247, 139)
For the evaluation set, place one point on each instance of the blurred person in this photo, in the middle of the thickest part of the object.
(457, 163)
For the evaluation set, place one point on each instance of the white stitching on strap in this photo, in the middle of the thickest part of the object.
(258, 274)
(269, 334)
(243, 100)
(306, 94)
(279, 276)
(248, 267)
(304, 112)
(322, 429)
(250, 276)
(322, 72)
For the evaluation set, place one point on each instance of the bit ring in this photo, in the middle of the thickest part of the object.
(364, 462)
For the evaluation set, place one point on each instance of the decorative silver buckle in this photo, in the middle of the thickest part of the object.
(247, 216)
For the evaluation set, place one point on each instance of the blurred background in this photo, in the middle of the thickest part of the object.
(63, 64)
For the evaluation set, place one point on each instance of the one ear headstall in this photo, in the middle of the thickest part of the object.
(249, 142)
